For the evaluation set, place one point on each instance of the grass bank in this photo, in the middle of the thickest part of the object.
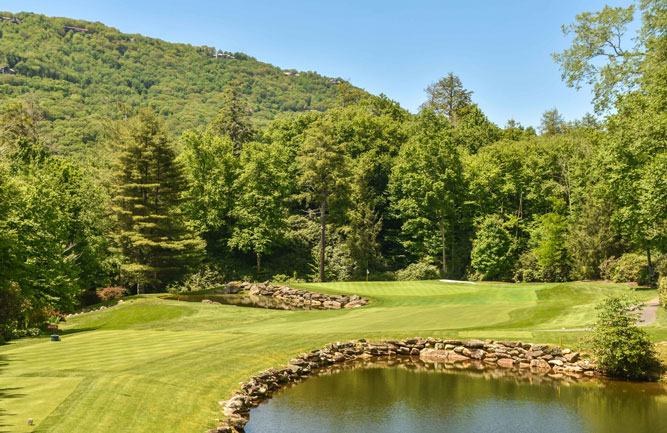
(152, 365)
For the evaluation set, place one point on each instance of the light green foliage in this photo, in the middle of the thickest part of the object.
(630, 267)
(263, 186)
(474, 130)
(548, 244)
(491, 254)
(210, 169)
(418, 271)
(427, 188)
(155, 246)
(621, 348)
(600, 35)
(552, 123)
(662, 291)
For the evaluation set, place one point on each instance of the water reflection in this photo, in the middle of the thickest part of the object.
(413, 396)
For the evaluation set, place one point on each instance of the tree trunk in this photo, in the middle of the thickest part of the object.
(323, 228)
(650, 264)
(258, 261)
(444, 246)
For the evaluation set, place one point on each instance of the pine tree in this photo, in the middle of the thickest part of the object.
(447, 97)
(155, 246)
(324, 169)
(233, 119)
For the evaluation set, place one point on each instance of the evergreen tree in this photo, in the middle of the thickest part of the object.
(155, 245)
(323, 176)
(233, 119)
(447, 97)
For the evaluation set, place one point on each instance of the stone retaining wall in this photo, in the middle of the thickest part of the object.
(534, 359)
(298, 297)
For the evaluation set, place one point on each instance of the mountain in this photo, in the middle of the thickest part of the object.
(79, 74)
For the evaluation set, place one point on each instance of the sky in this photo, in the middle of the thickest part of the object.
(501, 50)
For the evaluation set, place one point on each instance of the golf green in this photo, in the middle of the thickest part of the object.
(152, 365)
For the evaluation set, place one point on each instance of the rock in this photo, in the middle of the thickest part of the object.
(474, 344)
(432, 355)
(572, 357)
(506, 363)
(477, 354)
(556, 362)
(540, 364)
(331, 305)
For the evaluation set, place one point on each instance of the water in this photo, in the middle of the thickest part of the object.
(381, 399)
(243, 301)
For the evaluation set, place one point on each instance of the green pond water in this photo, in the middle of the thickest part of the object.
(422, 399)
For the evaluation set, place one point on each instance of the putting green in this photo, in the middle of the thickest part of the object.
(152, 365)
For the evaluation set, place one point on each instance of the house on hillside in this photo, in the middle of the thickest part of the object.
(334, 81)
(11, 20)
(75, 29)
(7, 70)
(220, 55)
(291, 73)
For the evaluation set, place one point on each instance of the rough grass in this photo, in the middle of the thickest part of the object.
(153, 365)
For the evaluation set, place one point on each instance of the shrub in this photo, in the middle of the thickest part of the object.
(418, 271)
(662, 291)
(206, 278)
(630, 267)
(109, 293)
(284, 279)
(621, 348)
(491, 250)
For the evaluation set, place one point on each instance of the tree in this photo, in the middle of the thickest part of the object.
(363, 222)
(426, 187)
(323, 172)
(591, 238)
(548, 242)
(263, 187)
(552, 123)
(621, 348)
(233, 119)
(447, 97)
(600, 35)
(491, 253)
(210, 169)
(154, 243)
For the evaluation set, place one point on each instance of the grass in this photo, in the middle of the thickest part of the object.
(152, 365)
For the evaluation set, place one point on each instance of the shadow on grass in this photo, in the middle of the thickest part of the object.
(7, 393)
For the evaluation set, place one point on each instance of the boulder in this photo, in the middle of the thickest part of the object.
(506, 363)
(432, 355)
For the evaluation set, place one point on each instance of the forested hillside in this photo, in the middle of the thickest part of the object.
(362, 190)
(78, 79)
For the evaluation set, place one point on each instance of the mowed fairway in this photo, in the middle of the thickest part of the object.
(152, 365)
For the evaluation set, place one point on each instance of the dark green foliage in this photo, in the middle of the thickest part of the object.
(621, 348)
(491, 250)
(629, 267)
(155, 246)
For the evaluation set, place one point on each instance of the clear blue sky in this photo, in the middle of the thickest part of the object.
(499, 49)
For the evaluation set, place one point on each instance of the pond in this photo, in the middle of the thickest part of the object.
(374, 398)
(243, 301)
